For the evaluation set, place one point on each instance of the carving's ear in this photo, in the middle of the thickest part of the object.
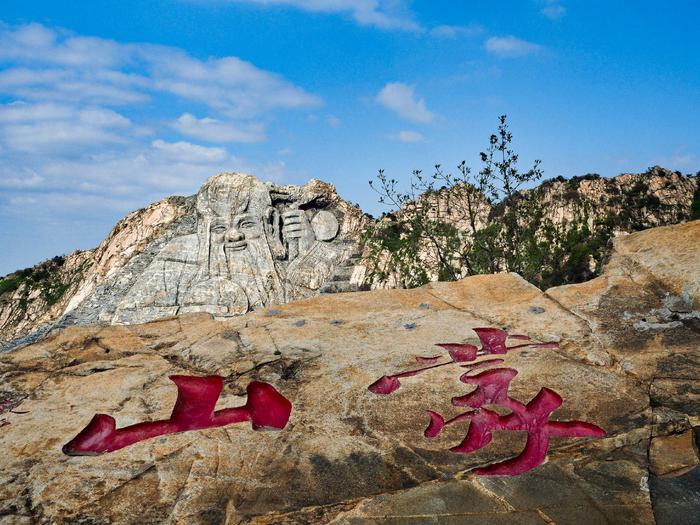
(273, 232)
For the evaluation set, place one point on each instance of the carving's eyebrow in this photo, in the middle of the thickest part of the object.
(242, 218)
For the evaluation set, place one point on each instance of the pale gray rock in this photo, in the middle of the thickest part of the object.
(254, 244)
(325, 226)
(240, 244)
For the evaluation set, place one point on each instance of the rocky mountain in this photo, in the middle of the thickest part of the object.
(563, 234)
(241, 245)
(35, 298)
(587, 401)
(629, 202)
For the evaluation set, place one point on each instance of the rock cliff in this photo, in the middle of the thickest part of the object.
(563, 233)
(630, 202)
(626, 361)
(238, 245)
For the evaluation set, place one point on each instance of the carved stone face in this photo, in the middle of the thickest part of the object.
(234, 233)
(231, 213)
(235, 236)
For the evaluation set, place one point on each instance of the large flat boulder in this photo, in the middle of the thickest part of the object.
(627, 361)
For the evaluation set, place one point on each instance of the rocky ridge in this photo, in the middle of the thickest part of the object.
(95, 283)
(565, 226)
(630, 202)
(111, 283)
(26, 311)
(627, 359)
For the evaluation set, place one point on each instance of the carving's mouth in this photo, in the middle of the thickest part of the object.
(235, 246)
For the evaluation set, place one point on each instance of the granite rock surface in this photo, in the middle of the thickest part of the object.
(240, 244)
(627, 361)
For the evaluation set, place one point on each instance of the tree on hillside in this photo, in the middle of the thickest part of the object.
(447, 227)
(443, 227)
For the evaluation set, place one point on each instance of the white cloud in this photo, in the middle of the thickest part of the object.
(118, 180)
(74, 85)
(150, 173)
(228, 84)
(401, 99)
(37, 43)
(19, 112)
(447, 31)
(59, 129)
(188, 152)
(510, 46)
(26, 179)
(212, 130)
(553, 10)
(409, 136)
(77, 148)
(46, 64)
(384, 14)
(333, 121)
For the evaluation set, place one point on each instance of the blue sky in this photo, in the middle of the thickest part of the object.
(107, 106)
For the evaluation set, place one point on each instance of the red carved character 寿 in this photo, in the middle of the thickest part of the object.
(492, 389)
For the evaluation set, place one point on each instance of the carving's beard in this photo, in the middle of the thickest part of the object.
(252, 267)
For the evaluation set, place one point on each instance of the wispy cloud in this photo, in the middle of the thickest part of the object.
(448, 31)
(74, 142)
(553, 9)
(52, 128)
(510, 46)
(213, 130)
(402, 100)
(186, 151)
(46, 64)
(333, 121)
(383, 14)
(409, 136)
(228, 84)
(26, 179)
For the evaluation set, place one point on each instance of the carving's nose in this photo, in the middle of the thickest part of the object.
(232, 235)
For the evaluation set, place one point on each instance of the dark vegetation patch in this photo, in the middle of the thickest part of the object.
(695, 206)
(446, 227)
(48, 276)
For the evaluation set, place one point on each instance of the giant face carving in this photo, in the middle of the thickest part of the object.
(255, 245)
(236, 233)
(250, 253)
(237, 245)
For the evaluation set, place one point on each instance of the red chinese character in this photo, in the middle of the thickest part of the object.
(265, 408)
(492, 389)
(533, 418)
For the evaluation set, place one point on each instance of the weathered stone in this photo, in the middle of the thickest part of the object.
(239, 245)
(349, 456)
(674, 454)
(151, 264)
(249, 251)
(325, 226)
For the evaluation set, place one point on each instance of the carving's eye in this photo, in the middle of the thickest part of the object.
(218, 228)
(247, 224)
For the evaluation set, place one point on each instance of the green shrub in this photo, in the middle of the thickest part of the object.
(10, 283)
(695, 206)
